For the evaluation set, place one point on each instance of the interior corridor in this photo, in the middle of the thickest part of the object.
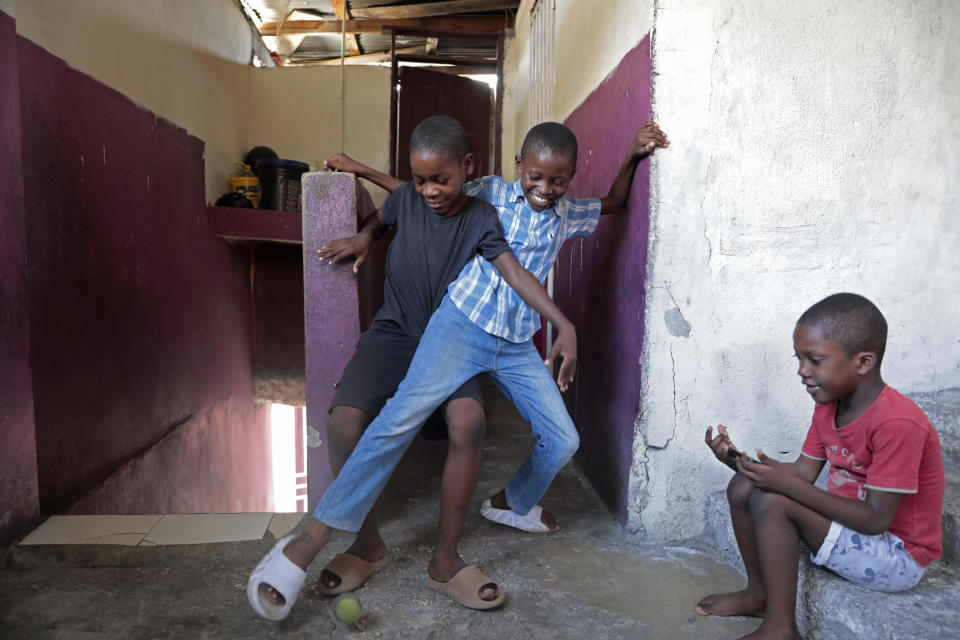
(590, 580)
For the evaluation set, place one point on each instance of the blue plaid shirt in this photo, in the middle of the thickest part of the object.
(535, 239)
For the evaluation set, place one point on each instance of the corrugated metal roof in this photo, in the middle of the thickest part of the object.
(272, 10)
(327, 46)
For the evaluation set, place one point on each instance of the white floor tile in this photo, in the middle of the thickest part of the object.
(284, 523)
(199, 528)
(120, 530)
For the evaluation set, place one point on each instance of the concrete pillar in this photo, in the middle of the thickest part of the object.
(331, 309)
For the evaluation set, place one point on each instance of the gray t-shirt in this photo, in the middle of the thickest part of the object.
(428, 253)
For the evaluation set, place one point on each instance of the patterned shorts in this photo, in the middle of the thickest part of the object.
(876, 562)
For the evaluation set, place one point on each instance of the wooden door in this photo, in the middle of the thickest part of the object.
(431, 93)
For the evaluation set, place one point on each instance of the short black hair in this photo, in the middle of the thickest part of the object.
(553, 137)
(851, 320)
(442, 135)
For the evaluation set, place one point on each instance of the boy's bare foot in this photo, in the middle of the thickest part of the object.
(370, 551)
(735, 603)
(499, 501)
(442, 569)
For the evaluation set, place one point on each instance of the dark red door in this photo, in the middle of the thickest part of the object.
(431, 93)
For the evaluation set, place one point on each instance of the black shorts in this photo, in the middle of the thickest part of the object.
(378, 366)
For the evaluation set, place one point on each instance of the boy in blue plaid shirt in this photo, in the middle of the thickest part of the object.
(537, 218)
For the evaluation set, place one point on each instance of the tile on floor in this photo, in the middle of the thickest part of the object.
(200, 528)
(102, 529)
(283, 523)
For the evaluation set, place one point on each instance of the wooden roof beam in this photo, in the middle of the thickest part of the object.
(467, 61)
(314, 27)
(434, 33)
(429, 9)
(365, 58)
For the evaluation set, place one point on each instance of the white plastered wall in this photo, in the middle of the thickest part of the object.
(184, 60)
(591, 39)
(298, 113)
(813, 150)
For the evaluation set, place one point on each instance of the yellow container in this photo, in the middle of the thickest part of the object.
(248, 186)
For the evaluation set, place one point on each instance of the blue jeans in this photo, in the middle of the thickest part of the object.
(452, 350)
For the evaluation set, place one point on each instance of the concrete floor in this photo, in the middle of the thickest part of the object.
(590, 580)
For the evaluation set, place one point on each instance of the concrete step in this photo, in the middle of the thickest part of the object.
(943, 409)
(830, 608)
(951, 519)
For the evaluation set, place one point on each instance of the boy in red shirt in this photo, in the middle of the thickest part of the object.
(879, 522)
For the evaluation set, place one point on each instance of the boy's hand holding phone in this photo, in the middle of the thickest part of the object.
(723, 449)
(770, 474)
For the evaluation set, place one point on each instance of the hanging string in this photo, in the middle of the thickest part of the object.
(343, 83)
(283, 18)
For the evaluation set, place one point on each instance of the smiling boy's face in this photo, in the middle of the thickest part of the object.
(825, 369)
(544, 177)
(439, 180)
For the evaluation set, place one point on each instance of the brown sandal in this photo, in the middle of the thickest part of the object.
(464, 587)
(352, 571)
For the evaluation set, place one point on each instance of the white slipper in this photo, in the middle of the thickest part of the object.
(530, 522)
(280, 573)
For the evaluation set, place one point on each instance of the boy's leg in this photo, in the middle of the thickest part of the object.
(530, 386)
(369, 378)
(450, 353)
(771, 553)
(466, 423)
(749, 601)
(780, 525)
(499, 500)
(344, 429)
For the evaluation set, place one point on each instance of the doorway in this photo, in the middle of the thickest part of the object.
(423, 93)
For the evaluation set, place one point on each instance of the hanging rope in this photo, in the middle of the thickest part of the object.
(283, 18)
(343, 83)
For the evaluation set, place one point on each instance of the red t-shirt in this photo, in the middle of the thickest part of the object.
(890, 447)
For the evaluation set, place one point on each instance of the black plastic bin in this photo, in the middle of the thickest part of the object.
(280, 183)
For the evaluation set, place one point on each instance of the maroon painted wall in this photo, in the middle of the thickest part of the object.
(19, 504)
(600, 280)
(140, 319)
(278, 308)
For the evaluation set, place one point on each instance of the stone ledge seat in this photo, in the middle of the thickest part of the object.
(830, 608)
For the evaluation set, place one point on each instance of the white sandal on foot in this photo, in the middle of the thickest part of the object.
(530, 522)
(277, 571)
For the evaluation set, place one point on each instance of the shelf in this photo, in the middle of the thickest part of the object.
(234, 223)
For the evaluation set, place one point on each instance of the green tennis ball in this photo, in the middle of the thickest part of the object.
(347, 608)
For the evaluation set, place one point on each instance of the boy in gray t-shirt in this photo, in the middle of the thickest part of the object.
(439, 230)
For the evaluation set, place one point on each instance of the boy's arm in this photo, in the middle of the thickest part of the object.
(648, 138)
(870, 516)
(357, 245)
(343, 162)
(533, 293)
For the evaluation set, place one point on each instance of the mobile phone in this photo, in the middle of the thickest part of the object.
(736, 454)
